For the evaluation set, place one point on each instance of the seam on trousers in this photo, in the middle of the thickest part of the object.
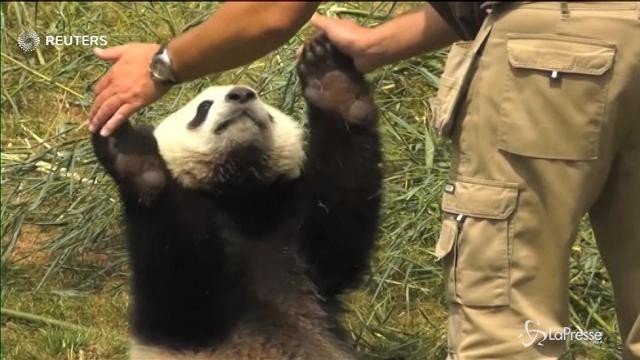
(511, 240)
(564, 10)
(490, 182)
(606, 118)
(594, 5)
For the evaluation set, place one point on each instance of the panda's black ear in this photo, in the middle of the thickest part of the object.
(201, 114)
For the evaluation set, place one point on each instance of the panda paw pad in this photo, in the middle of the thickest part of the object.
(331, 82)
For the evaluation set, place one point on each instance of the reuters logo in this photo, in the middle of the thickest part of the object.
(28, 40)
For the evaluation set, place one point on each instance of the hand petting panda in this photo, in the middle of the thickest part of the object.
(240, 233)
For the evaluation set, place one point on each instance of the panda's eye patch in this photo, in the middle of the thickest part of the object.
(201, 114)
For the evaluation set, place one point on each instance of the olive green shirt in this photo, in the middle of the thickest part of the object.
(465, 17)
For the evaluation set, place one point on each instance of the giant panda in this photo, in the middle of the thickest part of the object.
(242, 231)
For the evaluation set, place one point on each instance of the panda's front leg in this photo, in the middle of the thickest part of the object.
(343, 169)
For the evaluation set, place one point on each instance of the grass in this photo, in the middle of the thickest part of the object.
(62, 254)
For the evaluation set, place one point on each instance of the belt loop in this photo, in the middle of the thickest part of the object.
(564, 10)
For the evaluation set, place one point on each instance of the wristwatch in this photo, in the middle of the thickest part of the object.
(160, 67)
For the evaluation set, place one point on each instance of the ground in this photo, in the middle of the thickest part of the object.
(62, 253)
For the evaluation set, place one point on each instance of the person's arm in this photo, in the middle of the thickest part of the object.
(416, 32)
(236, 34)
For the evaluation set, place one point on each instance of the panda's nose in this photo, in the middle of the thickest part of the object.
(240, 94)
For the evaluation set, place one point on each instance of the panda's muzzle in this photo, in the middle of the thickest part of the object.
(245, 113)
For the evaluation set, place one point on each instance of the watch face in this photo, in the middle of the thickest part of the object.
(159, 69)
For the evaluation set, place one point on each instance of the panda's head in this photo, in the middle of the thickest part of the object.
(226, 135)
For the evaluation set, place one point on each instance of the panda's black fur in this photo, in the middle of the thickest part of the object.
(251, 268)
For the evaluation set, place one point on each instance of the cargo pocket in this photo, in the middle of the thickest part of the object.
(451, 86)
(555, 95)
(475, 240)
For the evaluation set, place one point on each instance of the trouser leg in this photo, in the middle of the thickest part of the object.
(616, 223)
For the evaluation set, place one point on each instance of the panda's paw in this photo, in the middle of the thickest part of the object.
(331, 82)
(131, 157)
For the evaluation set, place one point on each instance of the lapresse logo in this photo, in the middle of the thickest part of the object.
(533, 334)
(29, 40)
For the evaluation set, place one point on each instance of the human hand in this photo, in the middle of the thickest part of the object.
(350, 38)
(126, 88)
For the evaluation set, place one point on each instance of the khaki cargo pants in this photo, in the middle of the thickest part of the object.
(547, 130)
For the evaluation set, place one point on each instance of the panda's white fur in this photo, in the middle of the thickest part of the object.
(190, 153)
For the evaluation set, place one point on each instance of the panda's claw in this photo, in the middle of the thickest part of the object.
(317, 50)
(307, 55)
(323, 40)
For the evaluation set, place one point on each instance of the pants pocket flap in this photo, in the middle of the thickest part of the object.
(566, 54)
(448, 235)
(490, 201)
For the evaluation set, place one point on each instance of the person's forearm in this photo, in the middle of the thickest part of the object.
(411, 34)
(236, 34)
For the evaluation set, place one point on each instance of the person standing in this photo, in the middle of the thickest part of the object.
(541, 105)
